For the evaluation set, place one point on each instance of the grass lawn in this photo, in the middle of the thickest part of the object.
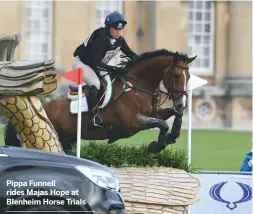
(211, 150)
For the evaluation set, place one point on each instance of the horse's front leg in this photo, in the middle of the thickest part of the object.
(175, 131)
(150, 122)
(165, 113)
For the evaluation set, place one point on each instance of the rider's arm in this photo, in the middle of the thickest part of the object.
(127, 50)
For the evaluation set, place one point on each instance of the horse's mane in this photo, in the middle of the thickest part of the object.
(152, 54)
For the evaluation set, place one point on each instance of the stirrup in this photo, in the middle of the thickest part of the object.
(100, 123)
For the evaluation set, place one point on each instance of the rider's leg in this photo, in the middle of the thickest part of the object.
(90, 77)
(92, 99)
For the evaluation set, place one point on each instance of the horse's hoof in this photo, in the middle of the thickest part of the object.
(154, 147)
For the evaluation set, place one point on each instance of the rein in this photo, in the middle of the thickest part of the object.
(154, 94)
(139, 89)
(128, 86)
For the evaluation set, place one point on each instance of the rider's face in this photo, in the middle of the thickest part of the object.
(115, 33)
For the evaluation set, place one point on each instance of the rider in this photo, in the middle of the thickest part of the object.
(95, 53)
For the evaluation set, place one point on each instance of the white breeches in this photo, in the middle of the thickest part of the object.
(89, 75)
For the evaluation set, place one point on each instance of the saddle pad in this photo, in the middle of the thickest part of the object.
(74, 105)
(107, 98)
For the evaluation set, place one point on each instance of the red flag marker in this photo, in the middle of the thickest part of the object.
(74, 76)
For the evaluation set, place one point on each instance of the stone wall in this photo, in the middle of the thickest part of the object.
(157, 190)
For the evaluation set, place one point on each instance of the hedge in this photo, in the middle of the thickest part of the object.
(116, 155)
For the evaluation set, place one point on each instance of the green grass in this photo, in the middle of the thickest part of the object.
(211, 150)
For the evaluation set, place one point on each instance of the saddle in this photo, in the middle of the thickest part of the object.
(24, 77)
(73, 89)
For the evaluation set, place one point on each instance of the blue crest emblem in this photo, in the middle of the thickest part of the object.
(215, 194)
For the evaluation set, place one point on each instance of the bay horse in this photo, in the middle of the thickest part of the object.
(134, 106)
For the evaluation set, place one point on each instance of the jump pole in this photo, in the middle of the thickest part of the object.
(193, 83)
(77, 77)
(79, 119)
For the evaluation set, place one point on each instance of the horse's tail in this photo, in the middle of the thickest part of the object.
(10, 136)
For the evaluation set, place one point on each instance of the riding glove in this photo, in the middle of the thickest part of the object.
(117, 70)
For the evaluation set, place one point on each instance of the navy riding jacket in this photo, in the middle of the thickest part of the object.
(100, 48)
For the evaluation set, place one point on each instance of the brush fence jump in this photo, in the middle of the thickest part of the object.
(157, 190)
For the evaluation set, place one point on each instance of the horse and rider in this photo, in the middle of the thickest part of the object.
(135, 102)
(94, 54)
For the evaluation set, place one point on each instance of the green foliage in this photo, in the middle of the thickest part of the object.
(116, 155)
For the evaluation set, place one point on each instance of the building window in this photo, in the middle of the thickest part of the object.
(103, 8)
(201, 36)
(39, 30)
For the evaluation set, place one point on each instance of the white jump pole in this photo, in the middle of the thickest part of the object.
(79, 119)
(189, 140)
(194, 82)
(77, 77)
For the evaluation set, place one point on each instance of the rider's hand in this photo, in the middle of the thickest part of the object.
(117, 70)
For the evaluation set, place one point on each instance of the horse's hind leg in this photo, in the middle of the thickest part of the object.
(67, 143)
(150, 122)
(118, 132)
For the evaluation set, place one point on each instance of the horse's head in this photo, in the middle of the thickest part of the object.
(175, 80)
(163, 65)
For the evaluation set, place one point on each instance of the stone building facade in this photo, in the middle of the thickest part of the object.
(219, 32)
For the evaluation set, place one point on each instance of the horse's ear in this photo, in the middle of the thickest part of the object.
(189, 60)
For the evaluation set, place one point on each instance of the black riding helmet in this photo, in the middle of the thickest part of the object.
(115, 20)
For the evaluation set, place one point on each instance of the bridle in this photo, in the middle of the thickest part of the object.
(172, 92)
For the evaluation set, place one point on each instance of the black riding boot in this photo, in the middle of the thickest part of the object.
(94, 120)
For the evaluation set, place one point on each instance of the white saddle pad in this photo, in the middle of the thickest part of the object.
(109, 91)
(107, 97)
